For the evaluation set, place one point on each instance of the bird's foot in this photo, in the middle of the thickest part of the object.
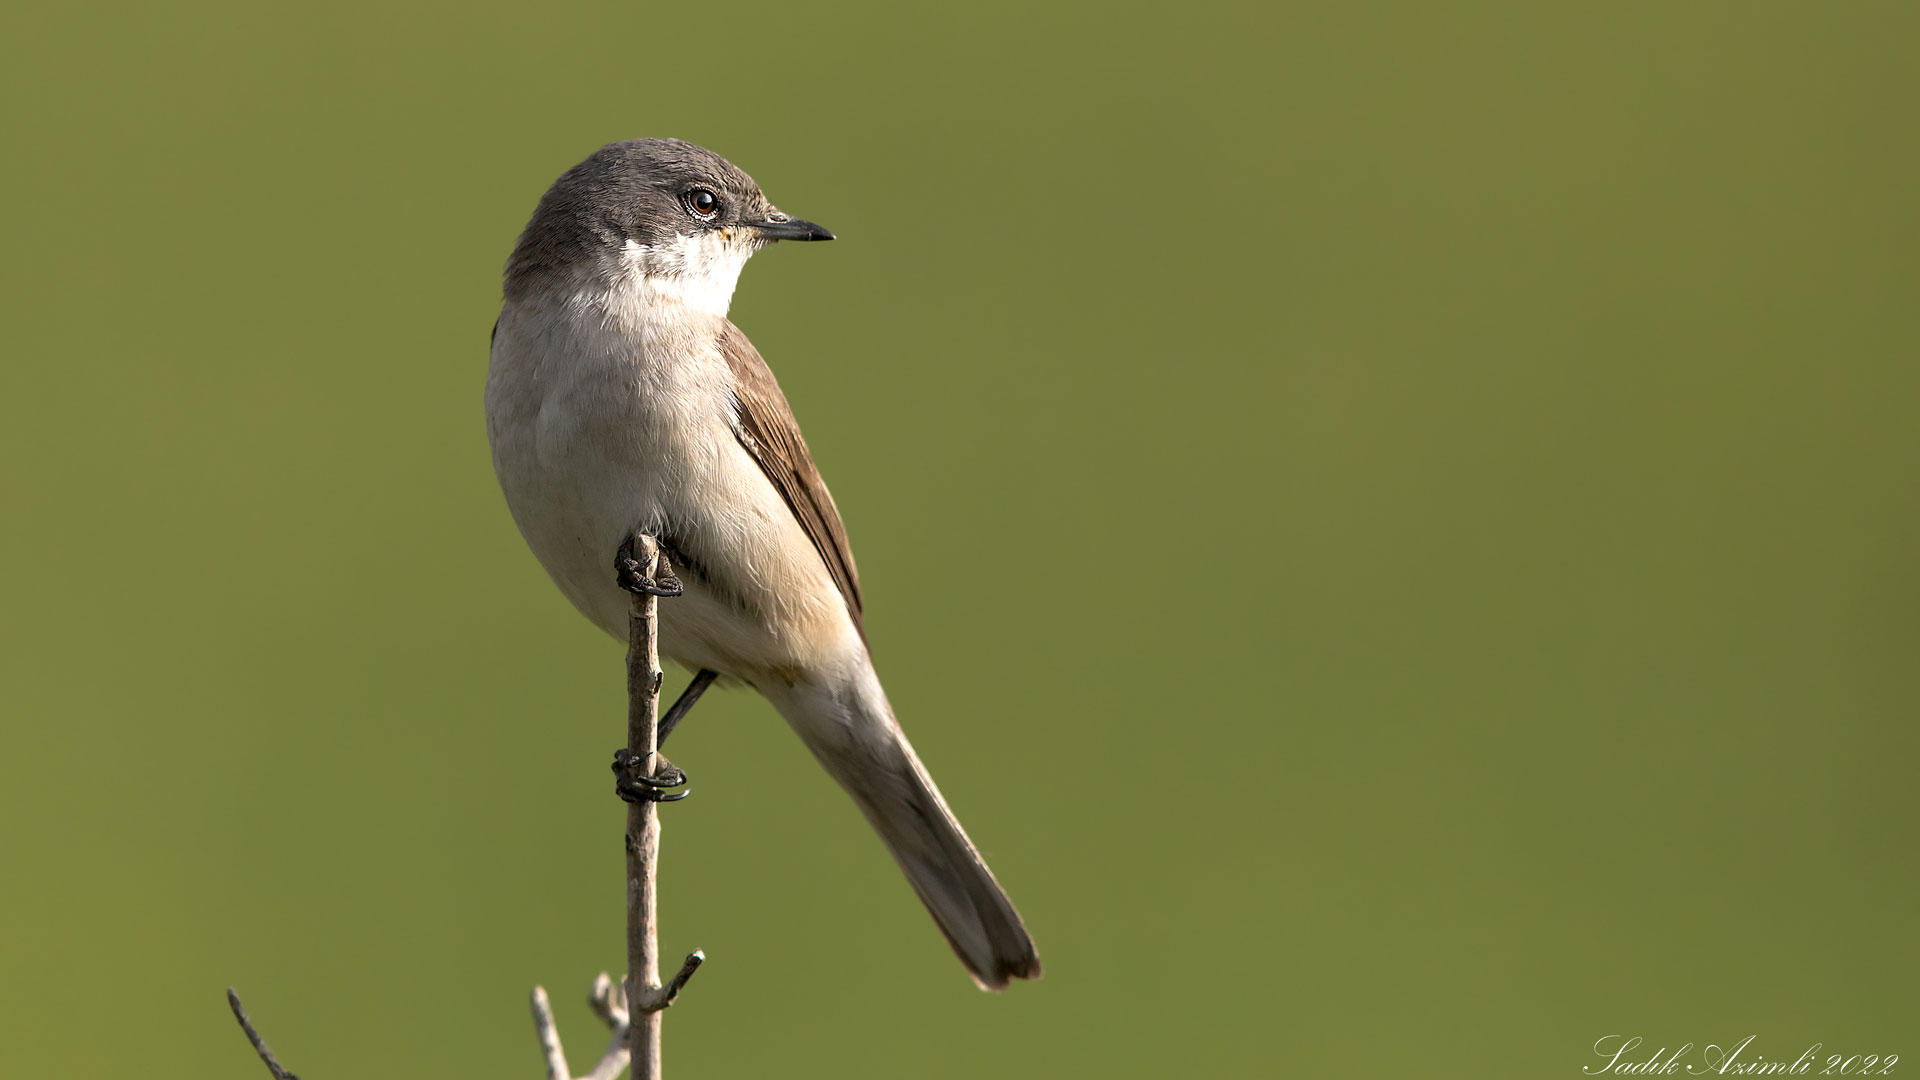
(635, 784)
(631, 576)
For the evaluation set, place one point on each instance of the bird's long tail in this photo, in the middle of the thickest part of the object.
(851, 730)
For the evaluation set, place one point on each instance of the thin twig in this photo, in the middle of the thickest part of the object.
(661, 997)
(549, 1036)
(280, 1072)
(610, 1005)
(609, 1002)
(687, 968)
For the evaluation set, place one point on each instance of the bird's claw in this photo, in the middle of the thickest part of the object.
(634, 784)
(631, 576)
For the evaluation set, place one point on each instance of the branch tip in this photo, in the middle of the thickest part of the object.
(280, 1072)
(679, 980)
(609, 1003)
(549, 1036)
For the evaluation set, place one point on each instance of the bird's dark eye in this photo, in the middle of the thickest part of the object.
(703, 202)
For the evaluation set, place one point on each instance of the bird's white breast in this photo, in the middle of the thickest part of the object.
(608, 409)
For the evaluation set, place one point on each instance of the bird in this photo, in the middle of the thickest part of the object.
(621, 399)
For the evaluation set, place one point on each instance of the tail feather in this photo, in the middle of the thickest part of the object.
(861, 746)
(951, 879)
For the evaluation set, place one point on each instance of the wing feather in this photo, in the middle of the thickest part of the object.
(764, 424)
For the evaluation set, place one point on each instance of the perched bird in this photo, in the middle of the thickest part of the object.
(619, 398)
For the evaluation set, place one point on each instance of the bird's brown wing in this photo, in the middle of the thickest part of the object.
(765, 426)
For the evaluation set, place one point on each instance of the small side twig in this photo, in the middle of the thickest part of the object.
(609, 1003)
(660, 997)
(280, 1072)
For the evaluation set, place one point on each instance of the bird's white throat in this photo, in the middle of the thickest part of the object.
(695, 272)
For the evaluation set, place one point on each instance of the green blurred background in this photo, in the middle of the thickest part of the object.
(1394, 525)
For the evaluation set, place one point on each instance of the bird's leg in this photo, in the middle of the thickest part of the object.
(627, 573)
(634, 781)
(683, 704)
(635, 784)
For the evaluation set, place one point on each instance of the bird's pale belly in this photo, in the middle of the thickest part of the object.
(758, 598)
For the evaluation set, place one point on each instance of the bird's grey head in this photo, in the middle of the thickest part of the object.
(673, 217)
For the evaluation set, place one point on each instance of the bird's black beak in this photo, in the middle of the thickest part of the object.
(786, 228)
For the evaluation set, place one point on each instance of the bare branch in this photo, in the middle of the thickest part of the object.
(643, 816)
(631, 1010)
(610, 1005)
(609, 1001)
(280, 1072)
(549, 1036)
